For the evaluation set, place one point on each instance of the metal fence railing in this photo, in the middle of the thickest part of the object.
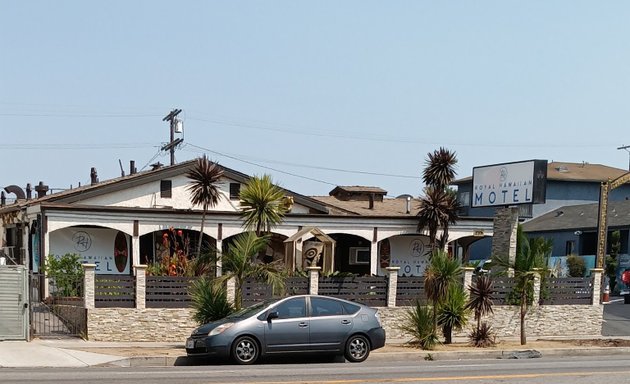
(410, 290)
(370, 290)
(168, 291)
(114, 291)
(567, 290)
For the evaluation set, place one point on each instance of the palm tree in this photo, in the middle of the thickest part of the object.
(480, 300)
(440, 275)
(204, 177)
(453, 314)
(439, 206)
(238, 263)
(531, 256)
(263, 204)
(440, 168)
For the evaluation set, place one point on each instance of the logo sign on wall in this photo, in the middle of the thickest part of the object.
(107, 248)
(411, 254)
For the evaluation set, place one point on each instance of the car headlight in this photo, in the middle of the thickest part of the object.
(219, 330)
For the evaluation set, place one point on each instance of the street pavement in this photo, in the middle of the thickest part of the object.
(68, 353)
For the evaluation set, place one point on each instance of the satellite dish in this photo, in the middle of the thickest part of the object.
(179, 126)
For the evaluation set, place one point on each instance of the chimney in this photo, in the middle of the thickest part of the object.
(41, 189)
(3, 199)
(408, 210)
(93, 176)
(371, 201)
(132, 167)
(29, 191)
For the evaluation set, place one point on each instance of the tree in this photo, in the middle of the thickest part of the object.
(442, 273)
(531, 256)
(439, 206)
(576, 266)
(611, 260)
(453, 314)
(203, 188)
(66, 274)
(480, 302)
(263, 204)
(239, 263)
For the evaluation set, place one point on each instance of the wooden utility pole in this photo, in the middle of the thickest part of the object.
(171, 118)
(602, 217)
(626, 148)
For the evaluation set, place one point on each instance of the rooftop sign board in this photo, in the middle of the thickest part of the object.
(507, 184)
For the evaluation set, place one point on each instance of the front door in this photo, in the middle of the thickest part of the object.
(13, 303)
(288, 332)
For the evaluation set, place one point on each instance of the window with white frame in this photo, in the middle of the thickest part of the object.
(359, 255)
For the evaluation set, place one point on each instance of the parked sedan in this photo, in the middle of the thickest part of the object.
(296, 324)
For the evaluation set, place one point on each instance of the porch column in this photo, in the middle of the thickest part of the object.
(392, 285)
(597, 284)
(374, 258)
(468, 276)
(313, 280)
(135, 250)
(219, 263)
(45, 252)
(89, 275)
(141, 286)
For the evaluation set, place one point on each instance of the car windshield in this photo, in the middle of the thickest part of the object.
(251, 310)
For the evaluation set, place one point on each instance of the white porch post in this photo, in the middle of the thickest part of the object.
(219, 265)
(135, 250)
(43, 256)
(374, 258)
(313, 280)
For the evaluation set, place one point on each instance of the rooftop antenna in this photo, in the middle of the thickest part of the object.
(176, 126)
(122, 171)
(626, 147)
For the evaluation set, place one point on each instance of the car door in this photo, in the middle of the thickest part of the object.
(329, 326)
(289, 331)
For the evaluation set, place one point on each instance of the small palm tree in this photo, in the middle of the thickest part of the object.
(203, 188)
(440, 275)
(453, 314)
(263, 204)
(209, 301)
(238, 263)
(417, 322)
(530, 259)
(480, 302)
(440, 168)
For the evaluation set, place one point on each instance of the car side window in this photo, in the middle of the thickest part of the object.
(351, 309)
(325, 307)
(291, 308)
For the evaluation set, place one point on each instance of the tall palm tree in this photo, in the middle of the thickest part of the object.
(531, 258)
(439, 206)
(263, 204)
(203, 189)
(442, 273)
(238, 263)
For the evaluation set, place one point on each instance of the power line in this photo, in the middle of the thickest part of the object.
(75, 146)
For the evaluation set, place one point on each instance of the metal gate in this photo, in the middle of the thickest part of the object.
(55, 316)
(13, 302)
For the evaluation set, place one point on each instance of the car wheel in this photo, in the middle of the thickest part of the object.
(245, 350)
(626, 299)
(357, 349)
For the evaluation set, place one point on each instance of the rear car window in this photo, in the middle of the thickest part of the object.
(325, 307)
(351, 309)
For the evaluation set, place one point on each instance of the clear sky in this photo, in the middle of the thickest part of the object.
(315, 93)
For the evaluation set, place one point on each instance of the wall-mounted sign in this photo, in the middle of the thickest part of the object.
(509, 184)
(409, 253)
(107, 248)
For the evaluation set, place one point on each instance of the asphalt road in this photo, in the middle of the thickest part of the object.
(616, 319)
(574, 370)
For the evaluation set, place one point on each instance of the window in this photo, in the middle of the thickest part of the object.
(359, 255)
(325, 307)
(464, 199)
(166, 187)
(570, 248)
(291, 308)
(235, 191)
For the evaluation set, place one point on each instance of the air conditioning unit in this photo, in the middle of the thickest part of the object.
(311, 253)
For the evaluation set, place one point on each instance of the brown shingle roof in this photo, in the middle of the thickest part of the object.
(387, 207)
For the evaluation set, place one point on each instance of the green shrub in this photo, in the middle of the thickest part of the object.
(576, 265)
(209, 301)
(418, 322)
(66, 274)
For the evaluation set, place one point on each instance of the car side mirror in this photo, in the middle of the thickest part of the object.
(272, 315)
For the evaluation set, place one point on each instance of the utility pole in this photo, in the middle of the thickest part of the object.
(626, 147)
(171, 118)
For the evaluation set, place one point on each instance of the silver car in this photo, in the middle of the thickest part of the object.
(296, 324)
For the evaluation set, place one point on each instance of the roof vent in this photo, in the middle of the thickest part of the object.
(562, 169)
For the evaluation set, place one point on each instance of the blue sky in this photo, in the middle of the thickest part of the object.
(317, 93)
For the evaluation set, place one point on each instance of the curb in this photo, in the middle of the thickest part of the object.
(169, 361)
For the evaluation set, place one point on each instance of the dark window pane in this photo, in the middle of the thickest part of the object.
(166, 188)
(350, 309)
(292, 308)
(235, 190)
(325, 307)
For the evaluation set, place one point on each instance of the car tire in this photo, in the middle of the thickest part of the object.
(357, 349)
(626, 299)
(245, 350)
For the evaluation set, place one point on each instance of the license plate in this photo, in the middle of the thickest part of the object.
(190, 344)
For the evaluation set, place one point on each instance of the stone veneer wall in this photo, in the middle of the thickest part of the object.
(122, 324)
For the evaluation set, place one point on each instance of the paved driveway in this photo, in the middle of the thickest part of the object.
(616, 318)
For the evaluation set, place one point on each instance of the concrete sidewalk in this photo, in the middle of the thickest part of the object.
(80, 353)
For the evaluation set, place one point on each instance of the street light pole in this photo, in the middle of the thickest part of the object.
(626, 148)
